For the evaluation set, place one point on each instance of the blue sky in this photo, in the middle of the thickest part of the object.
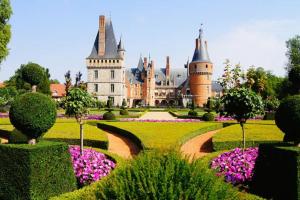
(59, 34)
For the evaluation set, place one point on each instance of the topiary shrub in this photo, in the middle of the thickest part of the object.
(109, 116)
(287, 118)
(208, 117)
(33, 114)
(193, 113)
(35, 171)
(33, 74)
(124, 112)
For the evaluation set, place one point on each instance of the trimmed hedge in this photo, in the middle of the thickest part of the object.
(124, 112)
(35, 171)
(226, 145)
(208, 117)
(109, 116)
(193, 113)
(277, 172)
(174, 114)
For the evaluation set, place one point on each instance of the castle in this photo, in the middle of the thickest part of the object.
(147, 84)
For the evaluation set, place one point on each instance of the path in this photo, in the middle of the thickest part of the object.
(157, 116)
(199, 146)
(121, 145)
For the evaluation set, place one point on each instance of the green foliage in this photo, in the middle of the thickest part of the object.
(287, 118)
(277, 172)
(33, 73)
(109, 116)
(17, 137)
(124, 103)
(210, 105)
(124, 112)
(274, 86)
(77, 103)
(192, 113)
(256, 79)
(294, 78)
(208, 117)
(109, 103)
(7, 96)
(5, 29)
(271, 104)
(164, 175)
(35, 171)
(33, 114)
(269, 115)
(242, 104)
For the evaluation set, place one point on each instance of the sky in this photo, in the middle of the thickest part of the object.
(59, 34)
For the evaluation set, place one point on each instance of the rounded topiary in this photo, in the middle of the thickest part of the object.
(192, 113)
(33, 73)
(109, 116)
(33, 114)
(287, 118)
(208, 117)
(124, 112)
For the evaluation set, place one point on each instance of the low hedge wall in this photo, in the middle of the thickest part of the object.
(277, 172)
(174, 114)
(35, 171)
(123, 132)
(226, 145)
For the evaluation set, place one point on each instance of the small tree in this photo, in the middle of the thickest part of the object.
(76, 104)
(210, 105)
(33, 74)
(5, 32)
(242, 104)
(124, 104)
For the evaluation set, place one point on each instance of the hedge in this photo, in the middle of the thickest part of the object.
(277, 172)
(35, 171)
(174, 114)
(226, 145)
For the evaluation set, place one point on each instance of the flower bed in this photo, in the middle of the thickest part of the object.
(236, 166)
(91, 166)
(157, 120)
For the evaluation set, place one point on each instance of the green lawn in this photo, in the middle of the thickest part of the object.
(164, 134)
(255, 130)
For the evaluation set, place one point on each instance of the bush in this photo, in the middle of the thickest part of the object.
(35, 171)
(287, 118)
(208, 117)
(164, 175)
(269, 115)
(16, 137)
(33, 73)
(33, 114)
(109, 116)
(124, 112)
(192, 113)
(277, 172)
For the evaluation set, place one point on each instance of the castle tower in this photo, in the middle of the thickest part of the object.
(149, 85)
(105, 65)
(200, 72)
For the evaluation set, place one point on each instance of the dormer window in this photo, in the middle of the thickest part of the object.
(206, 66)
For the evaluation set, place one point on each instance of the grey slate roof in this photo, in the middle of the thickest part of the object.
(111, 50)
(201, 54)
(177, 75)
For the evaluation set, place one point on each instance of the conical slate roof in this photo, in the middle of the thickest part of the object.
(201, 54)
(111, 50)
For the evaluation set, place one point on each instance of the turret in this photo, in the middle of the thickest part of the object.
(121, 49)
(200, 72)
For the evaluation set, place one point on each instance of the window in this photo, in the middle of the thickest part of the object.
(96, 74)
(113, 61)
(105, 61)
(195, 66)
(112, 74)
(112, 99)
(112, 88)
(101, 61)
(95, 87)
(117, 61)
(206, 66)
(109, 61)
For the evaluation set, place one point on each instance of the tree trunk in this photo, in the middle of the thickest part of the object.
(81, 138)
(33, 88)
(32, 141)
(244, 138)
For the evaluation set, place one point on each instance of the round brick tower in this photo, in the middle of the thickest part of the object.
(200, 72)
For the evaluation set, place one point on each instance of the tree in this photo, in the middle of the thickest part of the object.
(242, 104)
(5, 32)
(77, 103)
(256, 79)
(294, 78)
(68, 82)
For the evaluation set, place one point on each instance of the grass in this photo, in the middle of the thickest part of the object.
(164, 134)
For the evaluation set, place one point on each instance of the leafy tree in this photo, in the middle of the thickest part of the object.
(5, 32)
(77, 103)
(294, 78)
(256, 79)
(54, 81)
(7, 95)
(210, 105)
(273, 86)
(242, 104)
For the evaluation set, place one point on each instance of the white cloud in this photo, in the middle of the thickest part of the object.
(258, 43)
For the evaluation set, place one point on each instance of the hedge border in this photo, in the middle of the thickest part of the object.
(226, 145)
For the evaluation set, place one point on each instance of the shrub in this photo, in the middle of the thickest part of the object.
(91, 166)
(16, 137)
(33, 114)
(164, 175)
(109, 116)
(33, 73)
(192, 113)
(269, 115)
(287, 118)
(208, 117)
(35, 171)
(124, 112)
(277, 172)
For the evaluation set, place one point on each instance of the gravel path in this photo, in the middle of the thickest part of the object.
(158, 116)
(199, 146)
(121, 145)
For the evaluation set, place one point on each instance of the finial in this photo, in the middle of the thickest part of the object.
(149, 57)
(201, 30)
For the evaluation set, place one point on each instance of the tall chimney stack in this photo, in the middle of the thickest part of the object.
(168, 67)
(145, 63)
(101, 44)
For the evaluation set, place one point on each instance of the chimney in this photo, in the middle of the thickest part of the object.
(152, 69)
(168, 67)
(145, 63)
(197, 43)
(101, 44)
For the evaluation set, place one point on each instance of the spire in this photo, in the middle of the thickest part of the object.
(140, 65)
(201, 52)
(121, 45)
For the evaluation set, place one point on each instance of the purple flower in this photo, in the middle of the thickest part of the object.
(236, 166)
(91, 166)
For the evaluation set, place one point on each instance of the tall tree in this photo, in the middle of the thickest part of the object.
(5, 33)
